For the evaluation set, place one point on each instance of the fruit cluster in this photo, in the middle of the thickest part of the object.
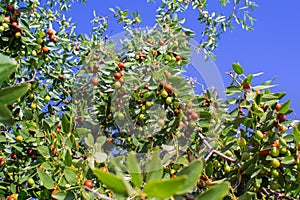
(9, 25)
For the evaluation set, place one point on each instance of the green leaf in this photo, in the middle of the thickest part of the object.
(44, 151)
(70, 176)
(9, 95)
(285, 107)
(5, 115)
(134, 170)
(192, 172)
(164, 188)
(46, 180)
(154, 168)
(288, 160)
(65, 123)
(216, 192)
(237, 68)
(68, 158)
(111, 181)
(296, 134)
(7, 67)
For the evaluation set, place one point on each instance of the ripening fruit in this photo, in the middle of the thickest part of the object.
(89, 184)
(178, 58)
(167, 74)
(121, 65)
(30, 181)
(47, 98)
(19, 138)
(192, 124)
(142, 117)
(246, 86)
(94, 81)
(275, 163)
(195, 116)
(275, 151)
(164, 93)
(282, 128)
(168, 88)
(149, 104)
(228, 153)
(227, 168)
(282, 141)
(50, 32)
(281, 118)
(117, 75)
(1, 29)
(168, 100)
(18, 35)
(40, 40)
(278, 107)
(241, 142)
(283, 150)
(45, 49)
(274, 173)
(259, 135)
(10, 8)
(121, 116)
(104, 169)
(117, 84)
(34, 53)
(161, 122)
(245, 156)
(10, 198)
(265, 152)
(33, 106)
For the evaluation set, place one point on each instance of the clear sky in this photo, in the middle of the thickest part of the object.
(272, 48)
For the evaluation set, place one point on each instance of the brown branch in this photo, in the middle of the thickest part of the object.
(213, 151)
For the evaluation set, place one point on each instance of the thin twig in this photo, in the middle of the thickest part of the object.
(98, 194)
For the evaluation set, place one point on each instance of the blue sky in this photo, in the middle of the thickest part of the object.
(272, 47)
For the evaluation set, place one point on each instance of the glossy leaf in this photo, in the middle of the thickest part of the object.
(192, 172)
(164, 188)
(237, 68)
(111, 181)
(70, 176)
(46, 180)
(285, 107)
(216, 192)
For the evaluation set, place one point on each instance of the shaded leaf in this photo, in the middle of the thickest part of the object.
(9, 95)
(154, 168)
(7, 67)
(192, 172)
(134, 170)
(5, 115)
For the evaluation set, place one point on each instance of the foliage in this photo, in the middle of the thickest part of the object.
(101, 122)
